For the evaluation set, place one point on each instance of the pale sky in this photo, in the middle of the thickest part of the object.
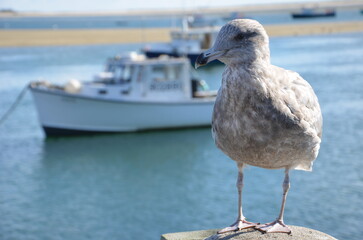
(122, 5)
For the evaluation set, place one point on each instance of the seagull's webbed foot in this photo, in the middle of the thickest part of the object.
(238, 225)
(276, 226)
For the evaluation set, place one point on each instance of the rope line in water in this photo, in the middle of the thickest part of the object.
(14, 105)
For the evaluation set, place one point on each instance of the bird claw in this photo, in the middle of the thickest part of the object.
(238, 225)
(276, 226)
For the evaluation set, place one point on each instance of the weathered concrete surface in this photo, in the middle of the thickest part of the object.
(298, 233)
(194, 235)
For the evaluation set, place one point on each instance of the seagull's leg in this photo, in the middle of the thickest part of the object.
(278, 225)
(241, 223)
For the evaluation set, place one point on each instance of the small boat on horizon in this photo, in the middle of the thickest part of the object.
(133, 94)
(314, 12)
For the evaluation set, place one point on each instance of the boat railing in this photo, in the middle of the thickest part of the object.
(45, 84)
(72, 86)
(205, 94)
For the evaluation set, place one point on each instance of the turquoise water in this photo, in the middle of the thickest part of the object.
(146, 184)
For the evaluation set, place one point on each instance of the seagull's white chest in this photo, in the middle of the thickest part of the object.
(249, 127)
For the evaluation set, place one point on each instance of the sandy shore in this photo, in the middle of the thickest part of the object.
(49, 37)
(14, 38)
(314, 28)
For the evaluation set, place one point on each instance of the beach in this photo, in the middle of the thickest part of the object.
(12, 38)
(60, 37)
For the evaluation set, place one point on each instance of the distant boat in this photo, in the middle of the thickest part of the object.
(133, 94)
(312, 13)
(189, 41)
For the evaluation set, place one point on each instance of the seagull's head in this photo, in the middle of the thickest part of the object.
(240, 41)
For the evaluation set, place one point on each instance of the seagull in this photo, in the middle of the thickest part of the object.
(264, 115)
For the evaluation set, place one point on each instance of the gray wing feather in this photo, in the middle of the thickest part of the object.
(297, 100)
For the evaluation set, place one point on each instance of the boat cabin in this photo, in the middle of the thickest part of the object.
(156, 79)
(134, 77)
(193, 39)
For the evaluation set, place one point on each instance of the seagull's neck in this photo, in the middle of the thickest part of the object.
(248, 62)
(250, 70)
(249, 76)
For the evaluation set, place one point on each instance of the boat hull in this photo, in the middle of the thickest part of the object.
(70, 114)
(315, 15)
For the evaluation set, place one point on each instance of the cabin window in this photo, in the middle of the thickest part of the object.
(125, 91)
(102, 91)
(110, 68)
(166, 78)
(127, 73)
(123, 73)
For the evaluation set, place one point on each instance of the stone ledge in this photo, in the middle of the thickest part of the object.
(298, 233)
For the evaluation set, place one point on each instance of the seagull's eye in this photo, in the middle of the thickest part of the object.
(239, 37)
(244, 35)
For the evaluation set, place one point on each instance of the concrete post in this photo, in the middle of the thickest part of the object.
(298, 233)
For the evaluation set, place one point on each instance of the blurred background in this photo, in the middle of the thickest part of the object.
(144, 184)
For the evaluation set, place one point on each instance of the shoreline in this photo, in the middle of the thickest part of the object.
(50, 37)
(223, 10)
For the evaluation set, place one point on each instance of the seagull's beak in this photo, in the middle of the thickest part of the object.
(207, 56)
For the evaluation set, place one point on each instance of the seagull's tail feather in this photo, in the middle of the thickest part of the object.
(305, 166)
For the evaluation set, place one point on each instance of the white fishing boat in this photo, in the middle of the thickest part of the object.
(133, 94)
(188, 41)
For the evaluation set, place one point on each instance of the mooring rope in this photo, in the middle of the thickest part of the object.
(14, 105)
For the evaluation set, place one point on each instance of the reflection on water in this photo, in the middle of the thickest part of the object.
(145, 184)
(112, 183)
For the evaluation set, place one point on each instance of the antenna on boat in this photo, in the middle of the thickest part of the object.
(185, 24)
